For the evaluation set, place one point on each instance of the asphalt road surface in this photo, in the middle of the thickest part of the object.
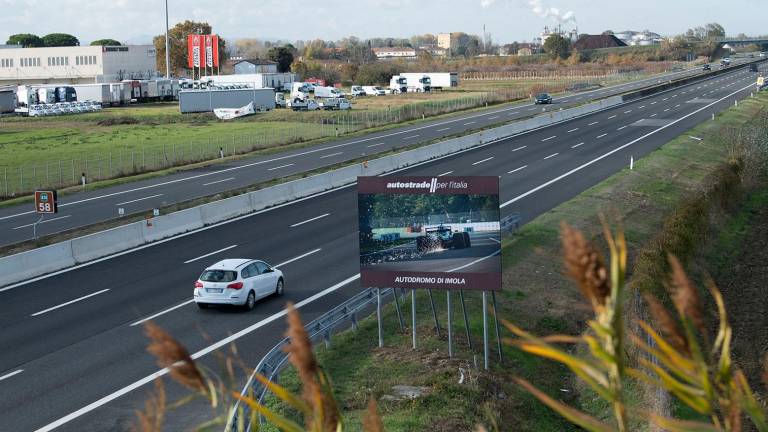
(74, 357)
(90, 207)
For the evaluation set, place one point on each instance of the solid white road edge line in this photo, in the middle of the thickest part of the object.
(212, 253)
(44, 221)
(138, 199)
(617, 149)
(149, 378)
(70, 302)
(310, 220)
(313, 196)
(182, 304)
(8, 375)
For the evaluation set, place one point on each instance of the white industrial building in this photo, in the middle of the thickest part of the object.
(77, 65)
(642, 38)
(394, 52)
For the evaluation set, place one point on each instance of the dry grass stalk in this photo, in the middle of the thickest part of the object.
(685, 296)
(372, 421)
(315, 390)
(151, 419)
(586, 266)
(765, 372)
(172, 355)
(667, 324)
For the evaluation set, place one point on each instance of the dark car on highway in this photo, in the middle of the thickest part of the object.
(543, 98)
(753, 67)
(707, 67)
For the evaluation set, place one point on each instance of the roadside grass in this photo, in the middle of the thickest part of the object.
(536, 296)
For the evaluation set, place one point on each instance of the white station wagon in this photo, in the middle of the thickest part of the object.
(238, 282)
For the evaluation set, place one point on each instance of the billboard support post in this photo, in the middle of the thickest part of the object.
(378, 316)
(485, 330)
(450, 323)
(434, 312)
(496, 323)
(399, 312)
(34, 226)
(466, 319)
(413, 317)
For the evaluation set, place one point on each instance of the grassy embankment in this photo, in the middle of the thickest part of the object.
(538, 297)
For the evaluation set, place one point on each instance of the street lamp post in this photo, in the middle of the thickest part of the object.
(167, 45)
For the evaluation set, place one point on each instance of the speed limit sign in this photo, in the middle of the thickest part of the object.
(46, 202)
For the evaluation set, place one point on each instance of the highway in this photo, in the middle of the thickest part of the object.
(74, 354)
(94, 206)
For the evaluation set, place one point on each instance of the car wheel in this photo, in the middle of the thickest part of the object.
(280, 287)
(250, 302)
(202, 305)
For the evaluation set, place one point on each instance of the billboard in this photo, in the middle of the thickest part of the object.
(194, 47)
(430, 232)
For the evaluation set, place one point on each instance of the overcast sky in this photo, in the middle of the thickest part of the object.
(505, 20)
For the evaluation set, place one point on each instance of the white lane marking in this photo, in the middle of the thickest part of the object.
(547, 139)
(577, 145)
(613, 116)
(653, 103)
(666, 110)
(627, 112)
(551, 156)
(374, 145)
(513, 113)
(573, 130)
(223, 342)
(331, 155)
(411, 137)
(617, 149)
(493, 118)
(218, 181)
(531, 109)
(641, 107)
(182, 304)
(170, 309)
(139, 199)
(491, 238)
(443, 129)
(653, 115)
(44, 221)
(279, 167)
(677, 106)
(474, 262)
(665, 99)
(70, 302)
(484, 160)
(8, 375)
(519, 148)
(623, 127)
(310, 220)
(518, 169)
(209, 254)
(593, 123)
(445, 173)
(600, 136)
(469, 123)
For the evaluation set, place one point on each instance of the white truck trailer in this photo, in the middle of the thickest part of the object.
(191, 101)
(441, 80)
(278, 81)
(100, 93)
(327, 92)
(398, 84)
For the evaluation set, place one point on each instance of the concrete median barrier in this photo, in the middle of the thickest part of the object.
(16, 268)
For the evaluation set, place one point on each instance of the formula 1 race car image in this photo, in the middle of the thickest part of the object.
(442, 237)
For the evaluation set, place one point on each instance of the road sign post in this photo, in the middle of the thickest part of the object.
(450, 324)
(485, 330)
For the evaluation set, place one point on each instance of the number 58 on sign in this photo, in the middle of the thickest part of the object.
(46, 202)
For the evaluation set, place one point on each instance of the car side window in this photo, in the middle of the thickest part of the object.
(261, 267)
(246, 272)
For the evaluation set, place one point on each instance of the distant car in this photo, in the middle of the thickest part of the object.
(753, 67)
(543, 98)
(237, 282)
(442, 237)
(706, 67)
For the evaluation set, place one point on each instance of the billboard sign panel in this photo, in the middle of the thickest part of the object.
(430, 232)
(46, 202)
(194, 47)
(208, 51)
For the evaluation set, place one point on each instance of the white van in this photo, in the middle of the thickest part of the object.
(373, 91)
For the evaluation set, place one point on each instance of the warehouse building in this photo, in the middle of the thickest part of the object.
(77, 65)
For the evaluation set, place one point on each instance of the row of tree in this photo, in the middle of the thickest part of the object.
(29, 40)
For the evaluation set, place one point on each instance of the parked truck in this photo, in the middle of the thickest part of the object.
(398, 84)
(300, 90)
(278, 81)
(417, 82)
(327, 92)
(441, 80)
(207, 100)
(100, 93)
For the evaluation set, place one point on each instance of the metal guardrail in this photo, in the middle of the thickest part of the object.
(276, 359)
(511, 223)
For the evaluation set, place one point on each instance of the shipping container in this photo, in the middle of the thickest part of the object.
(7, 100)
(192, 101)
(100, 93)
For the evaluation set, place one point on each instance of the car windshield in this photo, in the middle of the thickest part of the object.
(218, 276)
(543, 95)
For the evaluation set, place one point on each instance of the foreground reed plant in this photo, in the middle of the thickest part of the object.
(679, 358)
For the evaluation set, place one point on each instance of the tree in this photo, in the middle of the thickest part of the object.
(60, 40)
(557, 46)
(282, 56)
(178, 43)
(106, 42)
(26, 40)
(714, 30)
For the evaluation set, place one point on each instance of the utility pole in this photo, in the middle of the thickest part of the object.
(167, 45)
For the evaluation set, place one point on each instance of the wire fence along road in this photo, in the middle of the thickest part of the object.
(60, 173)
